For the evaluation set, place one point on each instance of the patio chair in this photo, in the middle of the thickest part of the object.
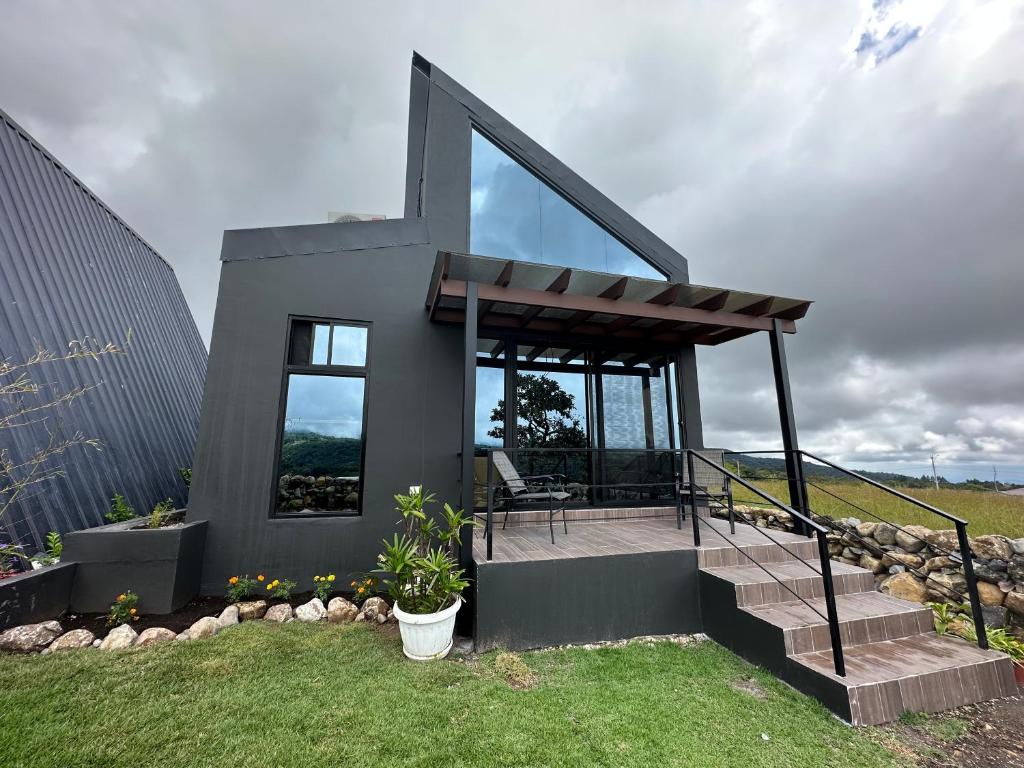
(710, 483)
(515, 488)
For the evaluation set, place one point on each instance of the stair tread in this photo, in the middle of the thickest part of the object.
(859, 605)
(889, 660)
(785, 570)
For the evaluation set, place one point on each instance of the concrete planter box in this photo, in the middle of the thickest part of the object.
(36, 595)
(162, 566)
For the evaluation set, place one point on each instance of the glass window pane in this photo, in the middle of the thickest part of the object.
(659, 411)
(322, 445)
(623, 412)
(349, 345)
(321, 334)
(514, 215)
(490, 407)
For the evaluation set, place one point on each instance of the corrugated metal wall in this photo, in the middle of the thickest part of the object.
(70, 268)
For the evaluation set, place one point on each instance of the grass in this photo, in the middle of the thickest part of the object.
(984, 512)
(301, 695)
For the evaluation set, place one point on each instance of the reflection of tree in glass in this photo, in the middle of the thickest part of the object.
(547, 415)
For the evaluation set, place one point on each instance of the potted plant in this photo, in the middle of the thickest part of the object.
(421, 573)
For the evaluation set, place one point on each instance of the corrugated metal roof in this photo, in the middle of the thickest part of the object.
(72, 268)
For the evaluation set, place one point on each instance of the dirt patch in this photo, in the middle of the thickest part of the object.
(976, 736)
(751, 687)
(513, 670)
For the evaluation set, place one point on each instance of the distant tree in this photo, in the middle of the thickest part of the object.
(26, 401)
(547, 415)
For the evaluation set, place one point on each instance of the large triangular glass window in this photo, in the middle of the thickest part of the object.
(514, 215)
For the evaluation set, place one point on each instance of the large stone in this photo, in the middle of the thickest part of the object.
(937, 563)
(30, 638)
(902, 558)
(885, 533)
(119, 637)
(948, 586)
(251, 610)
(994, 615)
(990, 594)
(906, 586)
(340, 610)
(873, 564)
(208, 626)
(943, 541)
(228, 616)
(866, 530)
(312, 611)
(988, 573)
(375, 609)
(76, 638)
(1017, 545)
(1015, 569)
(279, 613)
(154, 636)
(912, 538)
(1015, 603)
(992, 547)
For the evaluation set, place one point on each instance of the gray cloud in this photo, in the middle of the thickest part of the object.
(885, 184)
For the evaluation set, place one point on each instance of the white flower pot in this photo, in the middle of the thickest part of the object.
(427, 636)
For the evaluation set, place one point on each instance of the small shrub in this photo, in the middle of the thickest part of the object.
(120, 510)
(323, 586)
(123, 610)
(186, 474)
(160, 512)
(281, 590)
(364, 588)
(240, 587)
(52, 553)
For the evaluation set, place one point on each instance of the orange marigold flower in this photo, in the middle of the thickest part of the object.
(233, 580)
(133, 611)
(259, 577)
(121, 598)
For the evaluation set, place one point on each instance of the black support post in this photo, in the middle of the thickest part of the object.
(468, 422)
(794, 467)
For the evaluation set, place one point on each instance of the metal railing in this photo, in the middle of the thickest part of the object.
(963, 540)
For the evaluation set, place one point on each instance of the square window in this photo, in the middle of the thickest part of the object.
(348, 346)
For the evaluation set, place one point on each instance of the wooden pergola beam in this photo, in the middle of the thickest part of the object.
(613, 291)
(537, 301)
(558, 286)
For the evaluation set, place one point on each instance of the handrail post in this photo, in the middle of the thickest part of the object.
(693, 498)
(677, 478)
(830, 605)
(490, 504)
(805, 502)
(967, 558)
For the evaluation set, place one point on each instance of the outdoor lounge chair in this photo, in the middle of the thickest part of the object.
(710, 483)
(515, 488)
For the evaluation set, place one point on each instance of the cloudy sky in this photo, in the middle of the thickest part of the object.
(870, 157)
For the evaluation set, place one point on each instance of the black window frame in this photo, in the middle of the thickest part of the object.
(321, 369)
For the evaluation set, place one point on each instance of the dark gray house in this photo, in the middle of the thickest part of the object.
(516, 322)
(71, 269)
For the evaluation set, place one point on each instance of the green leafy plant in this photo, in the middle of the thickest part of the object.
(160, 512)
(240, 587)
(323, 586)
(1001, 640)
(123, 610)
(52, 553)
(185, 473)
(120, 510)
(281, 590)
(948, 617)
(363, 587)
(419, 567)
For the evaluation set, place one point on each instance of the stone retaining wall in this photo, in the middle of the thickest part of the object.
(330, 494)
(918, 563)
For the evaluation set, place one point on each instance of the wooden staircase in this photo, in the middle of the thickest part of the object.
(895, 662)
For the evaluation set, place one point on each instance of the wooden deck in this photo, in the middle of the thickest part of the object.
(594, 538)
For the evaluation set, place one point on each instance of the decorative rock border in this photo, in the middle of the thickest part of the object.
(48, 636)
(920, 564)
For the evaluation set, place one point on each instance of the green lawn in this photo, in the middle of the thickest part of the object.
(327, 695)
(984, 512)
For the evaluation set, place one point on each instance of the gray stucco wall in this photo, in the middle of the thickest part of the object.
(414, 394)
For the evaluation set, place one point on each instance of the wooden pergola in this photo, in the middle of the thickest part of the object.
(615, 322)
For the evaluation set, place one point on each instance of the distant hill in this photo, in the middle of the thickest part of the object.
(310, 453)
(773, 468)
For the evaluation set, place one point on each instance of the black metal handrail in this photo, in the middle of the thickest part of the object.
(825, 560)
(963, 541)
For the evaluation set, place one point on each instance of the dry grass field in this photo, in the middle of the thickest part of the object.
(984, 512)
